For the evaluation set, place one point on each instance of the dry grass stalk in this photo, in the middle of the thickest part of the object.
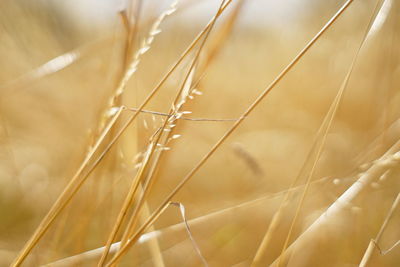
(330, 117)
(185, 222)
(387, 161)
(127, 203)
(374, 242)
(315, 149)
(65, 196)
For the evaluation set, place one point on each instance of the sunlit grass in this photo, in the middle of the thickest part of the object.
(153, 142)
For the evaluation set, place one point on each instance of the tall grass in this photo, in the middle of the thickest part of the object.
(152, 142)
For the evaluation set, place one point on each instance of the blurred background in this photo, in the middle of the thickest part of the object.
(60, 65)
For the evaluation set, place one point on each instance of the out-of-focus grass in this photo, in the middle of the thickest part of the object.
(49, 122)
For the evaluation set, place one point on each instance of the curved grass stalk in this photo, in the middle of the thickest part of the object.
(185, 222)
(384, 252)
(374, 242)
(96, 253)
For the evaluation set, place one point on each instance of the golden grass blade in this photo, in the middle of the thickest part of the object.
(153, 92)
(231, 130)
(127, 203)
(330, 117)
(204, 32)
(388, 160)
(129, 71)
(369, 252)
(181, 94)
(8, 147)
(325, 126)
(147, 225)
(51, 67)
(64, 197)
(216, 44)
(180, 99)
(221, 37)
(50, 217)
(122, 184)
(153, 244)
(316, 146)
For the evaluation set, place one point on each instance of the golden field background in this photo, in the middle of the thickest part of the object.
(50, 118)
